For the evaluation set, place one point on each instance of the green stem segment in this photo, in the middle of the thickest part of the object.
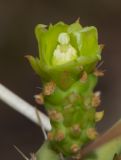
(46, 153)
(67, 66)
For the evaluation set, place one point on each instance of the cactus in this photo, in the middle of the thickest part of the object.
(68, 56)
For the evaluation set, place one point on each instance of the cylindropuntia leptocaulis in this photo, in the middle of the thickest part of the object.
(67, 65)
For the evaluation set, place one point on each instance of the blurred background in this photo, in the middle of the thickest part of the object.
(17, 21)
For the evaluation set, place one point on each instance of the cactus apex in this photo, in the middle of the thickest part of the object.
(99, 116)
(92, 133)
(39, 99)
(49, 88)
(96, 100)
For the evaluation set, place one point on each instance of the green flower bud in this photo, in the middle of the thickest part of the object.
(64, 48)
(68, 55)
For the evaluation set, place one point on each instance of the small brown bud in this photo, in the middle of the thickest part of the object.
(73, 97)
(84, 77)
(99, 116)
(98, 73)
(96, 99)
(50, 136)
(55, 116)
(102, 46)
(92, 133)
(59, 136)
(49, 88)
(75, 148)
(39, 99)
(76, 129)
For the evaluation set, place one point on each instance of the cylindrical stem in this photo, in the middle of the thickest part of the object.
(23, 107)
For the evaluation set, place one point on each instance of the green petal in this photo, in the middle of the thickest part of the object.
(33, 63)
(87, 40)
(40, 31)
(72, 29)
(75, 27)
(47, 40)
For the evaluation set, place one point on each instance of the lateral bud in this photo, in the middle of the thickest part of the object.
(99, 116)
(84, 77)
(96, 99)
(75, 148)
(49, 88)
(55, 116)
(92, 133)
(99, 73)
(50, 136)
(59, 136)
(39, 99)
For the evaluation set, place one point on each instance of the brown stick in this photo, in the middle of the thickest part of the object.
(111, 134)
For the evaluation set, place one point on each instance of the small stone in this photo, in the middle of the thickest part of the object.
(49, 88)
(92, 133)
(96, 100)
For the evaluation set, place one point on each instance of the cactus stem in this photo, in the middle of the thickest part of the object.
(99, 116)
(68, 106)
(49, 88)
(84, 77)
(92, 133)
(39, 99)
(96, 100)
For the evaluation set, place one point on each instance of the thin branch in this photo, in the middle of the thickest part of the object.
(110, 134)
(23, 107)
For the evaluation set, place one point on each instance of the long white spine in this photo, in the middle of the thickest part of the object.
(23, 107)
